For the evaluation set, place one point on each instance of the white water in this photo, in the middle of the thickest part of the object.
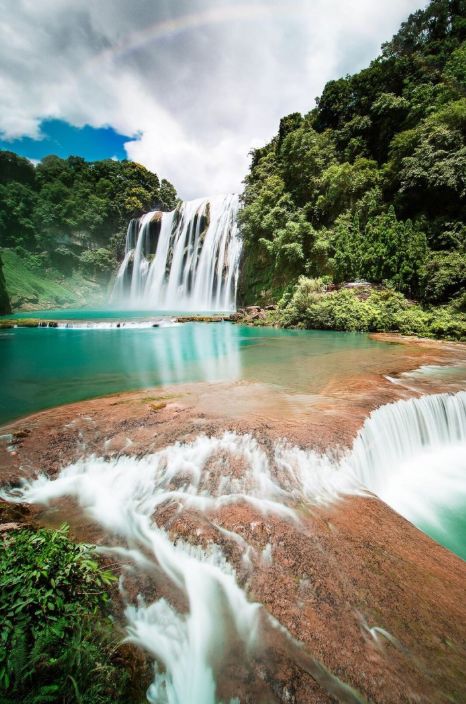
(411, 453)
(109, 325)
(184, 260)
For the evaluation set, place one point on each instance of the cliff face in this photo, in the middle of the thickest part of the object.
(366, 185)
(4, 298)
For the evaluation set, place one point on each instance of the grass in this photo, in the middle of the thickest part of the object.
(32, 287)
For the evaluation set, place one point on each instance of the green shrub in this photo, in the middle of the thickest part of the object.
(366, 310)
(98, 260)
(446, 322)
(412, 321)
(56, 638)
(446, 275)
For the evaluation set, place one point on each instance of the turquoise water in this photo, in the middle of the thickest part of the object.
(43, 367)
(97, 314)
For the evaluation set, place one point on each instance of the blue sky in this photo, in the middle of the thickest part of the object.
(62, 139)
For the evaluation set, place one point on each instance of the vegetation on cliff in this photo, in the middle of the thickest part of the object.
(57, 639)
(33, 283)
(371, 184)
(64, 220)
(5, 306)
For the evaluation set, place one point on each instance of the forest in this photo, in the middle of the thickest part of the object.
(63, 222)
(369, 186)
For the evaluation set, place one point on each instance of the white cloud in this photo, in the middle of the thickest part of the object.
(199, 81)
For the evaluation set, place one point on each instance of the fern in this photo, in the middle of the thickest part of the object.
(56, 638)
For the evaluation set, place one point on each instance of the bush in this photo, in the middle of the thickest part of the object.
(366, 310)
(98, 260)
(445, 323)
(446, 275)
(56, 635)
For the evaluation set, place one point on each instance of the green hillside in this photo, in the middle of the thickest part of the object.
(63, 224)
(371, 183)
(30, 285)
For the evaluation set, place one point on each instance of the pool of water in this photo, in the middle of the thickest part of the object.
(99, 314)
(44, 367)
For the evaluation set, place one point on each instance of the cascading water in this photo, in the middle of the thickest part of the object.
(184, 260)
(412, 454)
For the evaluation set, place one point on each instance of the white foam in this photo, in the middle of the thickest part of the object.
(412, 454)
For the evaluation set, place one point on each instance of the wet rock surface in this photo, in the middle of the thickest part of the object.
(369, 597)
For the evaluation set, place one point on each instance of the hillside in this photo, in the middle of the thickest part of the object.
(5, 306)
(31, 286)
(371, 183)
(63, 224)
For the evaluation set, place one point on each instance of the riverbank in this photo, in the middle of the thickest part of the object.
(312, 305)
(369, 596)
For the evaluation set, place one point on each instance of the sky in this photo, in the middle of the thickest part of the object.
(185, 87)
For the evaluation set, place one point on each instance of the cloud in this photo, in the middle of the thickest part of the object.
(196, 83)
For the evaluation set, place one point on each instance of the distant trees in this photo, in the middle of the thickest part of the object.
(76, 212)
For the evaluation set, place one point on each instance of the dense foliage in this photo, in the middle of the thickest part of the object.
(371, 184)
(363, 309)
(5, 306)
(56, 639)
(71, 215)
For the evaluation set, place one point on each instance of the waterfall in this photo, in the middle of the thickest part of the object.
(412, 454)
(184, 260)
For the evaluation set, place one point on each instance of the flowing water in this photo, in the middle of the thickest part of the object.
(412, 454)
(163, 514)
(184, 260)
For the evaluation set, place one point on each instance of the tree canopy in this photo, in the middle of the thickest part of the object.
(371, 183)
(72, 211)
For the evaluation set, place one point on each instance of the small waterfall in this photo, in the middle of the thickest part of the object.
(218, 634)
(184, 260)
(412, 454)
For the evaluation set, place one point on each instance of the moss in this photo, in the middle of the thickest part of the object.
(260, 282)
(5, 306)
(201, 319)
(27, 323)
(157, 406)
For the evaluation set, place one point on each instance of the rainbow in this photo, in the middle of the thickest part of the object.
(171, 27)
